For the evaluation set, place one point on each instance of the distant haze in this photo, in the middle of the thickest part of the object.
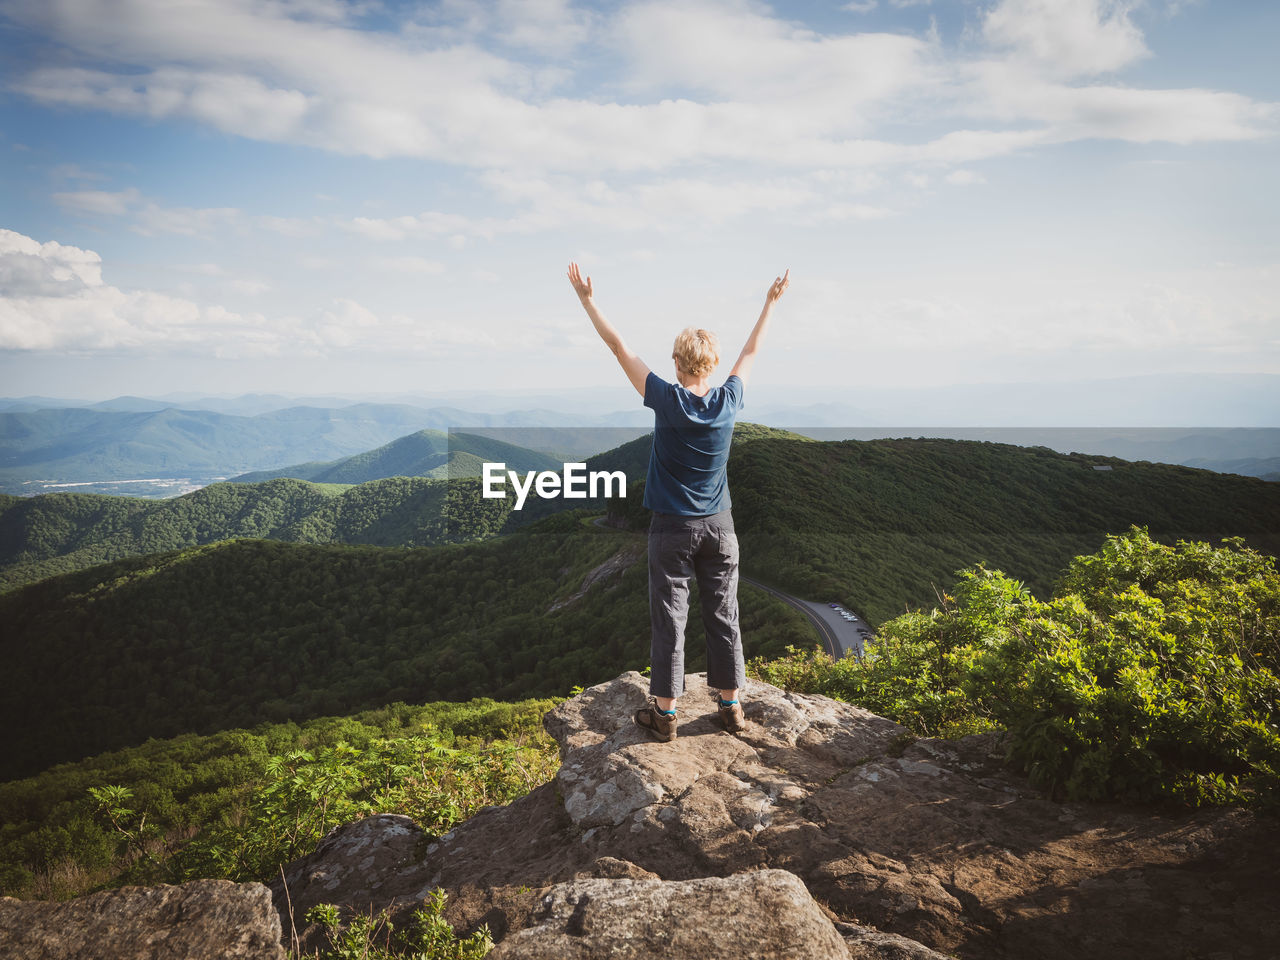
(1175, 400)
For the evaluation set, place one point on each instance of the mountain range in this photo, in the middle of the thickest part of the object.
(348, 615)
(76, 444)
(1142, 400)
(1210, 421)
(428, 453)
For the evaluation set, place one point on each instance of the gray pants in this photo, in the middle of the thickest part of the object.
(705, 548)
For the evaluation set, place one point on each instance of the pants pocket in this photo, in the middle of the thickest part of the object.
(728, 544)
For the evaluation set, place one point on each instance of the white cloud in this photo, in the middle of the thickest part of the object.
(427, 224)
(551, 28)
(288, 226)
(737, 51)
(345, 324)
(234, 103)
(1123, 113)
(410, 264)
(148, 217)
(690, 84)
(855, 211)
(860, 6)
(964, 178)
(29, 268)
(53, 298)
(98, 202)
(675, 203)
(1218, 309)
(152, 218)
(545, 202)
(1066, 38)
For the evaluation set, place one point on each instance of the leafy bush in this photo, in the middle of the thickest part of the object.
(243, 801)
(429, 938)
(306, 794)
(1152, 674)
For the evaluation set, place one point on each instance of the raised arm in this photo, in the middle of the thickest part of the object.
(637, 370)
(742, 368)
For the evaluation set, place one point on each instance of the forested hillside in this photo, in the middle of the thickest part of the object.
(60, 532)
(428, 453)
(248, 631)
(878, 524)
(874, 523)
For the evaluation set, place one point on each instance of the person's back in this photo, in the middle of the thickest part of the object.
(691, 533)
(687, 467)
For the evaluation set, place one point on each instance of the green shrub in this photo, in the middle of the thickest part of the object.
(1152, 674)
(366, 937)
(308, 793)
(240, 802)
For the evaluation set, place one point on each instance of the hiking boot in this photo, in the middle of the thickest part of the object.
(661, 725)
(731, 715)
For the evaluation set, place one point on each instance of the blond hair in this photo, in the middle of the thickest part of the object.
(696, 351)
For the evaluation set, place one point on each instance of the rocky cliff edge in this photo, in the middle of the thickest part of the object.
(821, 830)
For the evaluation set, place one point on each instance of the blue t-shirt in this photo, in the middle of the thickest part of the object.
(691, 436)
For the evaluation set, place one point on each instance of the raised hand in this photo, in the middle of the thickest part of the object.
(635, 369)
(583, 287)
(747, 358)
(778, 289)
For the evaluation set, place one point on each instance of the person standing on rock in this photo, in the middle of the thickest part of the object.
(691, 534)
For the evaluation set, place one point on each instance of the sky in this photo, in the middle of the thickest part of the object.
(374, 196)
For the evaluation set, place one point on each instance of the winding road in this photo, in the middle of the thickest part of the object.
(839, 637)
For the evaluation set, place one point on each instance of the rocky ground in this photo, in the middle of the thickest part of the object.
(821, 831)
(213, 919)
(900, 848)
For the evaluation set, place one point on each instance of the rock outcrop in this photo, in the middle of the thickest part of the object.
(213, 919)
(909, 846)
(766, 915)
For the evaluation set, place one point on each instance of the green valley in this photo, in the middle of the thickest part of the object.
(249, 631)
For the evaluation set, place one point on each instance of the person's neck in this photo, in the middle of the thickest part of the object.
(698, 386)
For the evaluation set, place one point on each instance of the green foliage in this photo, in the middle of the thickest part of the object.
(305, 794)
(874, 524)
(240, 801)
(871, 523)
(1152, 674)
(61, 532)
(429, 936)
(249, 632)
(138, 838)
